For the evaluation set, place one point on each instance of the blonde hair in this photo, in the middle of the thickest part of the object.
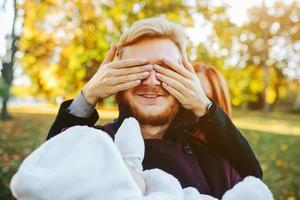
(153, 28)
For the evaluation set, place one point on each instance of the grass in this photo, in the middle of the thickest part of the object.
(275, 140)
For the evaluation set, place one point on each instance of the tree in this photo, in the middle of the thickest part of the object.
(8, 63)
(215, 50)
(64, 42)
(271, 42)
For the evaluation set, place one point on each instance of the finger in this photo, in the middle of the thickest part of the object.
(177, 67)
(128, 63)
(174, 92)
(131, 70)
(126, 86)
(187, 65)
(110, 55)
(169, 81)
(171, 74)
(129, 78)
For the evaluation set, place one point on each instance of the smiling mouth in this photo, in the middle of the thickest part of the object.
(150, 96)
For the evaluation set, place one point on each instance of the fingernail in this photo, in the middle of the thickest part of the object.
(143, 60)
(138, 82)
(164, 84)
(156, 67)
(149, 67)
(112, 46)
(165, 59)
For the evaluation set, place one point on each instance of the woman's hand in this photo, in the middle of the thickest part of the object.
(114, 76)
(183, 83)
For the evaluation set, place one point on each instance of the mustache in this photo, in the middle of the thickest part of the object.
(147, 89)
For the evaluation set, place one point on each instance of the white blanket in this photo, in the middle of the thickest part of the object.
(85, 163)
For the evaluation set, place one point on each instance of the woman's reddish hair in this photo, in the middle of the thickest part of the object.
(218, 84)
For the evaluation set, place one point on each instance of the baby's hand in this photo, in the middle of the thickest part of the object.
(138, 179)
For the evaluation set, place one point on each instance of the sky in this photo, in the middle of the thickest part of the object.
(5, 24)
(238, 9)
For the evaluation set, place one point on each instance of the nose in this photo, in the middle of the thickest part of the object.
(151, 80)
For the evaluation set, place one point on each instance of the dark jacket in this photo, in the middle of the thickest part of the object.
(212, 167)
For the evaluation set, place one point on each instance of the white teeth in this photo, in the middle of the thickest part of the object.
(149, 96)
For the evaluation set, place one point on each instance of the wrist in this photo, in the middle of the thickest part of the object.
(89, 97)
(203, 108)
(80, 107)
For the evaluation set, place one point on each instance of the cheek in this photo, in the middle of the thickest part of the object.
(128, 94)
(126, 97)
(170, 101)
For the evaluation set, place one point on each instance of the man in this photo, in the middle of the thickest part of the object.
(154, 82)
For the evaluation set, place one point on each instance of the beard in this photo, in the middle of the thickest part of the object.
(163, 117)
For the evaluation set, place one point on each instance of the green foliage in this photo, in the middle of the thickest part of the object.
(269, 42)
(64, 43)
(263, 47)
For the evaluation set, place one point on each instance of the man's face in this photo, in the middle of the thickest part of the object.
(149, 103)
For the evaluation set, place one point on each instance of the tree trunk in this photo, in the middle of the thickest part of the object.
(266, 106)
(4, 111)
(7, 74)
(7, 70)
(279, 82)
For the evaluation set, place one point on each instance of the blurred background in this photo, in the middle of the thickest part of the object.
(50, 48)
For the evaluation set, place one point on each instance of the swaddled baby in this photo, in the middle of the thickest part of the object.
(85, 163)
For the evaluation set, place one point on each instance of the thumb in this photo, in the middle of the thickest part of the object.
(110, 55)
